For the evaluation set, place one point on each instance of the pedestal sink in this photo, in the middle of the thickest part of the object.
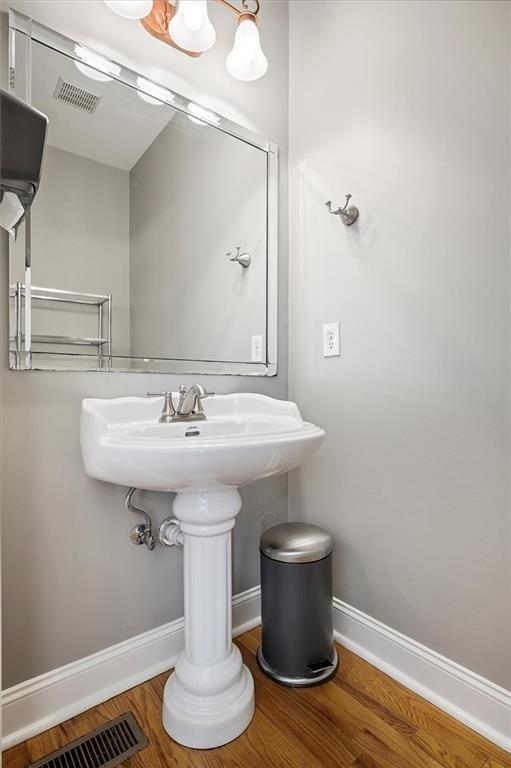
(209, 699)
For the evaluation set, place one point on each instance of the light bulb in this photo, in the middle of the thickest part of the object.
(190, 27)
(130, 9)
(246, 61)
(152, 93)
(95, 66)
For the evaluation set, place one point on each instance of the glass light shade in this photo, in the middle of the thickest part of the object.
(152, 93)
(130, 9)
(190, 26)
(246, 61)
(94, 66)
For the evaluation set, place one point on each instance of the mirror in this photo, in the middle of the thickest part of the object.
(151, 243)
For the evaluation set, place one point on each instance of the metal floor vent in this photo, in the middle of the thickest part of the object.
(109, 745)
(76, 96)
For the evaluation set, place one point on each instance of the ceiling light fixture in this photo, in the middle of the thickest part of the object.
(246, 61)
(95, 66)
(152, 93)
(130, 9)
(185, 25)
(191, 28)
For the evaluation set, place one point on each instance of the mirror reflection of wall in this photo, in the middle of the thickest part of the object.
(146, 216)
(197, 193)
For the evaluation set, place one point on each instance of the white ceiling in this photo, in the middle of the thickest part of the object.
(102, 135)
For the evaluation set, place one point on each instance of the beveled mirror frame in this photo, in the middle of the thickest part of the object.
(22, 31)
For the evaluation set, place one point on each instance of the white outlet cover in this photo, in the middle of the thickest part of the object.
(331, 345)
(256, 354)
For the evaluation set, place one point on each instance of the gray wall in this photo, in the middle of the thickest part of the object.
(195, 194)
(72, 581)
(80, 242)
(412, 479)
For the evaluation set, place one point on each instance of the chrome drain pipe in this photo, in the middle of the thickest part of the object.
(170, 533)
(141, 533)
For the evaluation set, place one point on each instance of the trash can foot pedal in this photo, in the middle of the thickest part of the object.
(318, 666)
(322, 675)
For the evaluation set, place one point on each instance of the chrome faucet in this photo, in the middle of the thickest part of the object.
(189, 407)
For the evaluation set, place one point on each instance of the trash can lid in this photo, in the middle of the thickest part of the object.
(296, 543)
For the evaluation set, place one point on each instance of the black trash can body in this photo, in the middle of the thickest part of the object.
(297, 645)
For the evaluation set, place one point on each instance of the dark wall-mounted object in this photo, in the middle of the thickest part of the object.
(22, 138)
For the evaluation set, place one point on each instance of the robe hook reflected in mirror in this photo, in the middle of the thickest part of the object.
(348, 213)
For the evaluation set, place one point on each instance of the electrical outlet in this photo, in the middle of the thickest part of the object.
(257, 349)
(331, 346)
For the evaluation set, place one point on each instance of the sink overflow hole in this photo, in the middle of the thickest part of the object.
(192, 432)
(111, 744)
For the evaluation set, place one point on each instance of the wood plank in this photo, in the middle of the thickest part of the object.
(298, 714)
(46, 742)
(264, 743)
(453, 750)
(357, 714)
(452, 743)
(368, 726)
(360, 719)
(495, 764)
(16, 757)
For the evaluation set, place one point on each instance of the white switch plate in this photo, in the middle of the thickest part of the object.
(331, 346)
(257, 349)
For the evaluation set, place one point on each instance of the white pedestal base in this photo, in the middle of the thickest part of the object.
(204, 723)
(209, 699)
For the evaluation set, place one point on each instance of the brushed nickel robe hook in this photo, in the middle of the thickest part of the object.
(242, 258)
(348, 213)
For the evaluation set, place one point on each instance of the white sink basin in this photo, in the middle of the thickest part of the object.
(209, 699)
(245, 438)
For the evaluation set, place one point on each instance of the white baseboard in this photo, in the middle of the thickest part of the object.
(38, 704)
(476, 702)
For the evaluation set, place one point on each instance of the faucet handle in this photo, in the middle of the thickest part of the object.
(203, 392)
(168, 405)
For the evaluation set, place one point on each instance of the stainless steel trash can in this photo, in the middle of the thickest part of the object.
(297, 647)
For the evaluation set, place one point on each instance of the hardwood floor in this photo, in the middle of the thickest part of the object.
(362, 718)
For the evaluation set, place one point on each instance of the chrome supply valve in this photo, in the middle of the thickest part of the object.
(170, 533)
(141, 533)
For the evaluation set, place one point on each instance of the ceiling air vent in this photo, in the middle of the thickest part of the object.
(75, 96)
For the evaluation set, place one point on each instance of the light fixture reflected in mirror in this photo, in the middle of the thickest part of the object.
(152, 93)
(201, 116)
(185, 25)
(95, 66)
